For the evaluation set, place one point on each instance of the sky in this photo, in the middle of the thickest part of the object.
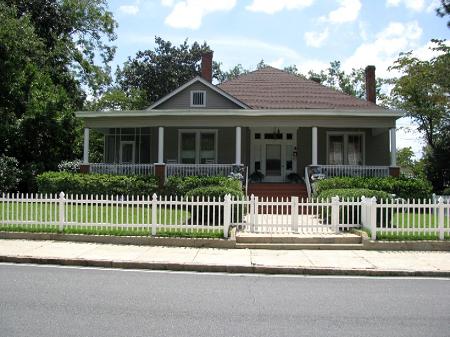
(306, 33)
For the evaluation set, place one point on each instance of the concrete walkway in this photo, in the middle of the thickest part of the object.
(325, 262)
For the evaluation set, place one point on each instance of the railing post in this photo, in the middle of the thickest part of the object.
(62, 212)
(154, 211)
(441, 211)
(373, 217)
(294, 214)
(335, 213)
(226, 215)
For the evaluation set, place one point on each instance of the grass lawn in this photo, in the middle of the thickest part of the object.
(81, 219)
(415, 223)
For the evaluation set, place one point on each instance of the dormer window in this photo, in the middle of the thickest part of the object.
(198, 99)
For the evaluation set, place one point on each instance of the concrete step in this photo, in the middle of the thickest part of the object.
(295, 239)
(299, 246)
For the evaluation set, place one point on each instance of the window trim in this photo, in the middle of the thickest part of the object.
(127, 142)
(198, 132)
(192, 105)
(345, 134)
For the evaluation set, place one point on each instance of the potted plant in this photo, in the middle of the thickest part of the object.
(293, 177)
(256, 176)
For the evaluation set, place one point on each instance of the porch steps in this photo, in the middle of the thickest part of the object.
(277, 190)
(298, 241)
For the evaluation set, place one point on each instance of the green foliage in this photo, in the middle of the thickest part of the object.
(96, 184)
(9, 174)
(117, 99)
(158, 72)
(423, 90)
(218, 192)
(409, 167)
(436, 161)
(402, 187)
(353, 193)
(352, 84)
(72, 166)
(446, 191)
(182, 185)
(444, 10)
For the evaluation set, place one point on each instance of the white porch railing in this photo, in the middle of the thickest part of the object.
(184, 170)
(353, 171)
(125, 169)
(343, 171)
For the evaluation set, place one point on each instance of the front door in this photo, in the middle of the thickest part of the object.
(273, 152)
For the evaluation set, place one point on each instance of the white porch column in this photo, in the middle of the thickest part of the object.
(238, 145)
(393, 147)
(160, 145)
(314, 145)
(86, 146)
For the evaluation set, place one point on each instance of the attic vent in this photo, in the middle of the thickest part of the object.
(198, 98)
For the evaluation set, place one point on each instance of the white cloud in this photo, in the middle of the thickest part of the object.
(433, 5)
(130, 9)
(190, 13)
(415, 5)
(347, 12)
(278, 63)
(273, 6)
(384, 49)
(316, 39)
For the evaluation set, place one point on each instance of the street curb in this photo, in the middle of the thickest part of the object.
(124, 240)
(256, 269)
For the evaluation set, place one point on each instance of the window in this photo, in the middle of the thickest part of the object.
(198, 98)
(345, 148)
(197, 146)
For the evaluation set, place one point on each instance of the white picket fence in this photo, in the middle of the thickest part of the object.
(155, 214)
(151, 213)
(405, 218)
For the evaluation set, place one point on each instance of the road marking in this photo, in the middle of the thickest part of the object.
(225, 274)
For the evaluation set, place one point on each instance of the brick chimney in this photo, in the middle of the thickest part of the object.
(206, 66)
(371, 92)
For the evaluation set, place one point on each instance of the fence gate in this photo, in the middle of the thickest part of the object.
(285, 216)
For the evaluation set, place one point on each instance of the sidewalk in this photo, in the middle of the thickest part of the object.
(317, 262)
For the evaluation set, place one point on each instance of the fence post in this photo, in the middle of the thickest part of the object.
(62, 212)
(363, 211)
(294, 214)
(252, 212)
(154, 211)
(373, 218)
(441, 211)
(335, 213)
(226, 215)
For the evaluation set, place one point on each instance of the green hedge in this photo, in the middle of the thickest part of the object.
(349, 212)
(97, 184)
(402, 187)
(355, 193)
(182, 185)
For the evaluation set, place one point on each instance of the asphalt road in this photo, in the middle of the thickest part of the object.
(54, 301)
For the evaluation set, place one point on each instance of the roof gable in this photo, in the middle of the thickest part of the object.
(271, 88)
(215, 99)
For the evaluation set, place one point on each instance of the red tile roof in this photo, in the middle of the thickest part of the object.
(271, 88)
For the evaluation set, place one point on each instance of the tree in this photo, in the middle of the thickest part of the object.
(158, 72)
(231, 74)
(444, 10)
(353, 84)
(48, 53)
(423, 90)
(436, 161)
(408, 165)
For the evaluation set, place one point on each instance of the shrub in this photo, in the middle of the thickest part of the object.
(401, 187)
(446, 191)
(9, 173)
(101, 184)
(354, 193)
(182, 185)
(351, 212)
(70, 166)
(217, 192)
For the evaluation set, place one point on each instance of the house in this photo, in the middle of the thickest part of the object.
(268, 121)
